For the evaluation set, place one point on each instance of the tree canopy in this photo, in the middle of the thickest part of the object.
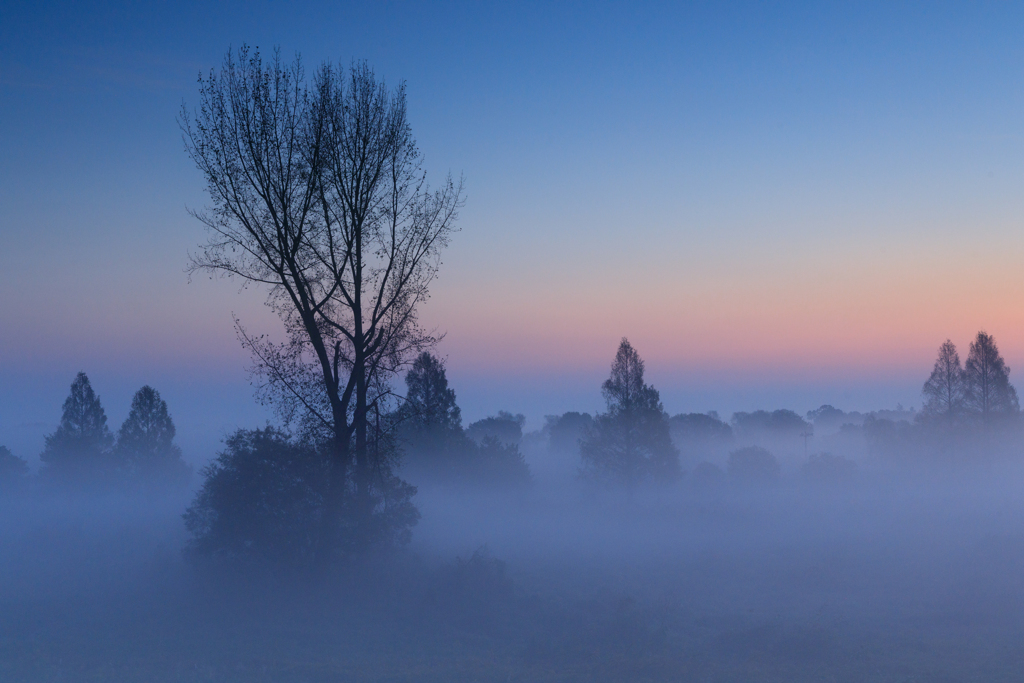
(79, 450)
(630, 442)
(145, 447)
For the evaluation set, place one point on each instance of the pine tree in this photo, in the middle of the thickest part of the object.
(145, 443)
(630, 442)
(988, 392)
(430, 421)
(430, 403)
(79, 449)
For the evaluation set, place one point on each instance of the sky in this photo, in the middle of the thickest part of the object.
(779, 204)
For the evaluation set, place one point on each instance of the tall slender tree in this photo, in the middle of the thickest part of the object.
(429, 401)
(429, 420)
(944, 390)
(319, 196)
(988, 393)
(631, 441)
(79, 449)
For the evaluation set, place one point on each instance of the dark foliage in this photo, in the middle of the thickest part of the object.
(565, 431)
(753, 464)
(318, 196)
(13, 471)
(505, 427)
(829, 419)
(263, 498)
(828, 468)
(145, 447)
(429, 421)
(495, 463)
(944, 390)
(439, 450)
(700, 435)
(79, 451)
(764, 423)
(631, 442)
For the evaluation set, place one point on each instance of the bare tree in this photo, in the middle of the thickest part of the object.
(988, 391)
(319, 195)
(945, 387)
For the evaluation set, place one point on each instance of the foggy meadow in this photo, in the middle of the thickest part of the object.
(371, 532)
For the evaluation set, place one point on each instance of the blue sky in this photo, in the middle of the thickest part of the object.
(781, 205)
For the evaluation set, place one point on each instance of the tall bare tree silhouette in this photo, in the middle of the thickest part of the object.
(318, 194)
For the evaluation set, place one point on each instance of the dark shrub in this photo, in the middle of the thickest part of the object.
(753, 464)
(825, 467)
(261, 498)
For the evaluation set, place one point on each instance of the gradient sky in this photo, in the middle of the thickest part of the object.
(780, 205)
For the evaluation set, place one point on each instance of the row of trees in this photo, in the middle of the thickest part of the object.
(82, 451)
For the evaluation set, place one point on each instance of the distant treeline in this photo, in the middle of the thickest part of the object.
(265, 493)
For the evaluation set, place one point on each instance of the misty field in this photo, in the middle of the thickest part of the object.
(877, 581)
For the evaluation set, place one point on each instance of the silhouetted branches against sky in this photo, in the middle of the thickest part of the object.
(319, 193)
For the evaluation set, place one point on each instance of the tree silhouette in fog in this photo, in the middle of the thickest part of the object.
(987, 389)
(505, 428)
(319, 196)
(145, 447)
(775, 423)
(430, 429)
(700, 435)
(630, 442)
(753, 464)
(262, 498)
(430, 422)
(565, 431)
(945, 388)
(80, 448)
(429, 401)
(13, 471)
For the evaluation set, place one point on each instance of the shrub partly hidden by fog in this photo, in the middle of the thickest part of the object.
(13, 471)
(264, 497)
(828, 468)
(753, 464)
(504, 427)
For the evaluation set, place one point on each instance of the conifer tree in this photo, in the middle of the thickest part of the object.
(79, 449)
(145, 443)
(430, 421)
(630, 442)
